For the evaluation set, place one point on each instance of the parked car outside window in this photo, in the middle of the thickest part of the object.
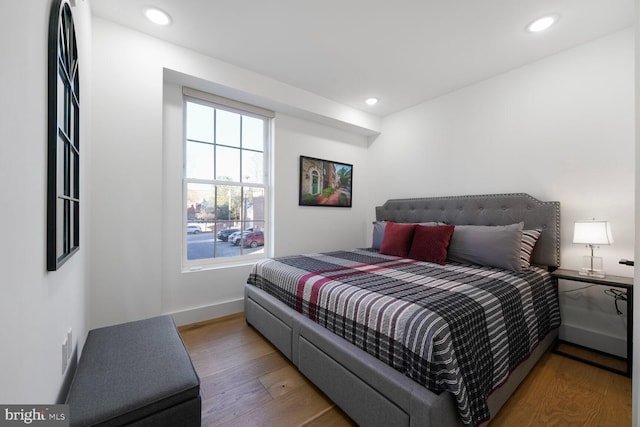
(254, 238)
(235, 237)
(193, 229)
(224, 234)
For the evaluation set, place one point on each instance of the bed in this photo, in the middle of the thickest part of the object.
(375, 375)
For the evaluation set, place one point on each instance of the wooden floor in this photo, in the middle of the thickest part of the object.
(245, 381)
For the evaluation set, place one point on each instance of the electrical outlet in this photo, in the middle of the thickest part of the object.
(69, 344)
(65, 359)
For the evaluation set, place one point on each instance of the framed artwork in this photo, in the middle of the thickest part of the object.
(325, 183)
(63, 144)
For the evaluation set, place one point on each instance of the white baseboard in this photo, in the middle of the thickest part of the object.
(593, 339)
(208, 312)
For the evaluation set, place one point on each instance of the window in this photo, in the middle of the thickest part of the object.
(225, 182)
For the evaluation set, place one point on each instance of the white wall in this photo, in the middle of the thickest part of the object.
(136, 176)
(559, 129)
(36, 308)
(556, 129)
(635, 418)
(301, 229)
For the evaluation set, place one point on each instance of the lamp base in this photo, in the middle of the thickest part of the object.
(592, 266)
(589, 273)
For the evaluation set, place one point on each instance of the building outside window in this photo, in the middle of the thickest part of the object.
(225, 181)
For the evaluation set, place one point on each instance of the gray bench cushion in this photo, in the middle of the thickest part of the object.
(130, 371)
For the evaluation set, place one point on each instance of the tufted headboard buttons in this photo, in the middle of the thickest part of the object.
(489, 209)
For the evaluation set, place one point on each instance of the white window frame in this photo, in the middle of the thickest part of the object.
(218, 102)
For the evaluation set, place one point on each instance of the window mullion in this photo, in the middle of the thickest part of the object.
(215, 145)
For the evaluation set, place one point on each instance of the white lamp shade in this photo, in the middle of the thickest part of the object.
(592, 233)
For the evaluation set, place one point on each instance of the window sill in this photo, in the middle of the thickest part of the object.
(221, 265)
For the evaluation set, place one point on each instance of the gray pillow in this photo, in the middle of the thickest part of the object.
(378, 231)
(492, 246)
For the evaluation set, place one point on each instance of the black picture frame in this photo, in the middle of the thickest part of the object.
(325, 183)
(63, 138)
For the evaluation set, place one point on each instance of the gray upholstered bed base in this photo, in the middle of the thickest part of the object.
(369, 391)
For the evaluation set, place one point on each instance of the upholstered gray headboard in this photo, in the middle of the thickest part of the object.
(489, 209)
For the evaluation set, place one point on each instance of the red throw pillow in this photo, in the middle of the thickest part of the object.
(397, 239)
(430, 243)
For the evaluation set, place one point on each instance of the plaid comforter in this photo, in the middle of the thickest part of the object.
(455, 328)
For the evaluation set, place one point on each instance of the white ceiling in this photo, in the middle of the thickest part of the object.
(403, 52)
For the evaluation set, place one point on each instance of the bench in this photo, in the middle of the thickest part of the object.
(136, 373)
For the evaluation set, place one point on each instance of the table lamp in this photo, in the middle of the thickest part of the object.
(592, 233)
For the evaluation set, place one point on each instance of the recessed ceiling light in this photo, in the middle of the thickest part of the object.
(371, 101)
(157, 16)
(542, 24)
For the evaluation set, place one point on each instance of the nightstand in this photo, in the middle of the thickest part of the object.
(625, 283)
